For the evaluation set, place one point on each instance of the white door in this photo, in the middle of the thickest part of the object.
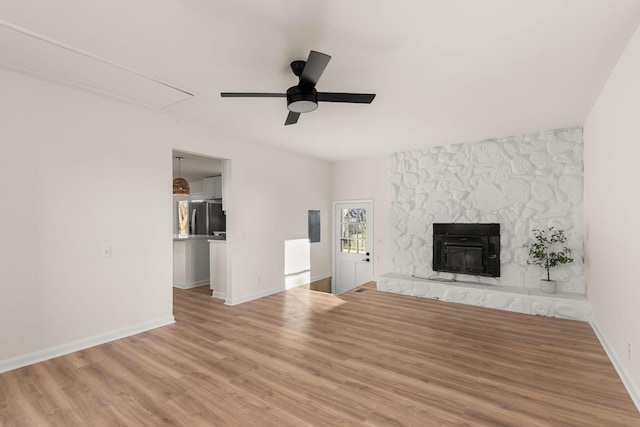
(353, 245)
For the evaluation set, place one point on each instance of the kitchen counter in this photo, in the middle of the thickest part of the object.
(177, 237)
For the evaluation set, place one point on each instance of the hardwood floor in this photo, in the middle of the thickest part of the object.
(322, 285)
(311, 358)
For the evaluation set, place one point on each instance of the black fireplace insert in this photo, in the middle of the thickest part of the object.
(467, 249)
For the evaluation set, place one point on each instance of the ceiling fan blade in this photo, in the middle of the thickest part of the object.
(313, 69)
(358, 98)
(252, 95)
(292, 118)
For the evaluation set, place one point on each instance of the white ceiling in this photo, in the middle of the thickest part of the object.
(444, 71)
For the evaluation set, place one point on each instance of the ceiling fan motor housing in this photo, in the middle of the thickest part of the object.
(301, 100)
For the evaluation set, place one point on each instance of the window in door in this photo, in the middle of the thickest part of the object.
(354, 231)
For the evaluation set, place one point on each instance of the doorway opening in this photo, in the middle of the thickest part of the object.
(200, 257)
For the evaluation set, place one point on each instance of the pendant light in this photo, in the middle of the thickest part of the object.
(180, 185)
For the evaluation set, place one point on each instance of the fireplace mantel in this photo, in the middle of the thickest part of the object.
(519, 300)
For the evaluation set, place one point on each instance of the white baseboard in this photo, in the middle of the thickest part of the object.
(60, 350)
(294, 280)
(267, 292)
(632, 388)
(221, 295)
(251, 297)
(190, 284)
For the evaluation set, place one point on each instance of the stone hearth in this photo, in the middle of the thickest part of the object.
(520, 300)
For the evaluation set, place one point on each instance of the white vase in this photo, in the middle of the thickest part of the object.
(548, 286)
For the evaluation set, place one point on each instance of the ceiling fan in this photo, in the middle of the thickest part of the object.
(303, 97)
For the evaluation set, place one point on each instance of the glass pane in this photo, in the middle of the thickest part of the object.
(354, 230)
(345, 215)
(362, 215)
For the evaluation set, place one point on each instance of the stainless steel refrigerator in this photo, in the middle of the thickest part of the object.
(206, 218)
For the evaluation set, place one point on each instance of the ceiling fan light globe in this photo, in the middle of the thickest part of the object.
(302, 106)
(301, 100)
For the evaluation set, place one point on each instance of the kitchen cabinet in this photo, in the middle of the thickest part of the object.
(190, 261)
(213, 187)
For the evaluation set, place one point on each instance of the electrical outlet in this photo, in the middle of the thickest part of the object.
(106, 251)
(629, 350)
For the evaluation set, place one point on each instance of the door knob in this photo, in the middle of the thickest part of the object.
(366, 259)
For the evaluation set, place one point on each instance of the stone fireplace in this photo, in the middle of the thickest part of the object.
(516, 183)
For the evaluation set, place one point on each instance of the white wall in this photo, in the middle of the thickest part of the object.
(88, 171)
(612, 183)
(272, 192)
(368, 179)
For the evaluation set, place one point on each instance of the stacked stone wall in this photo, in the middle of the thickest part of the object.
(521, 182)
